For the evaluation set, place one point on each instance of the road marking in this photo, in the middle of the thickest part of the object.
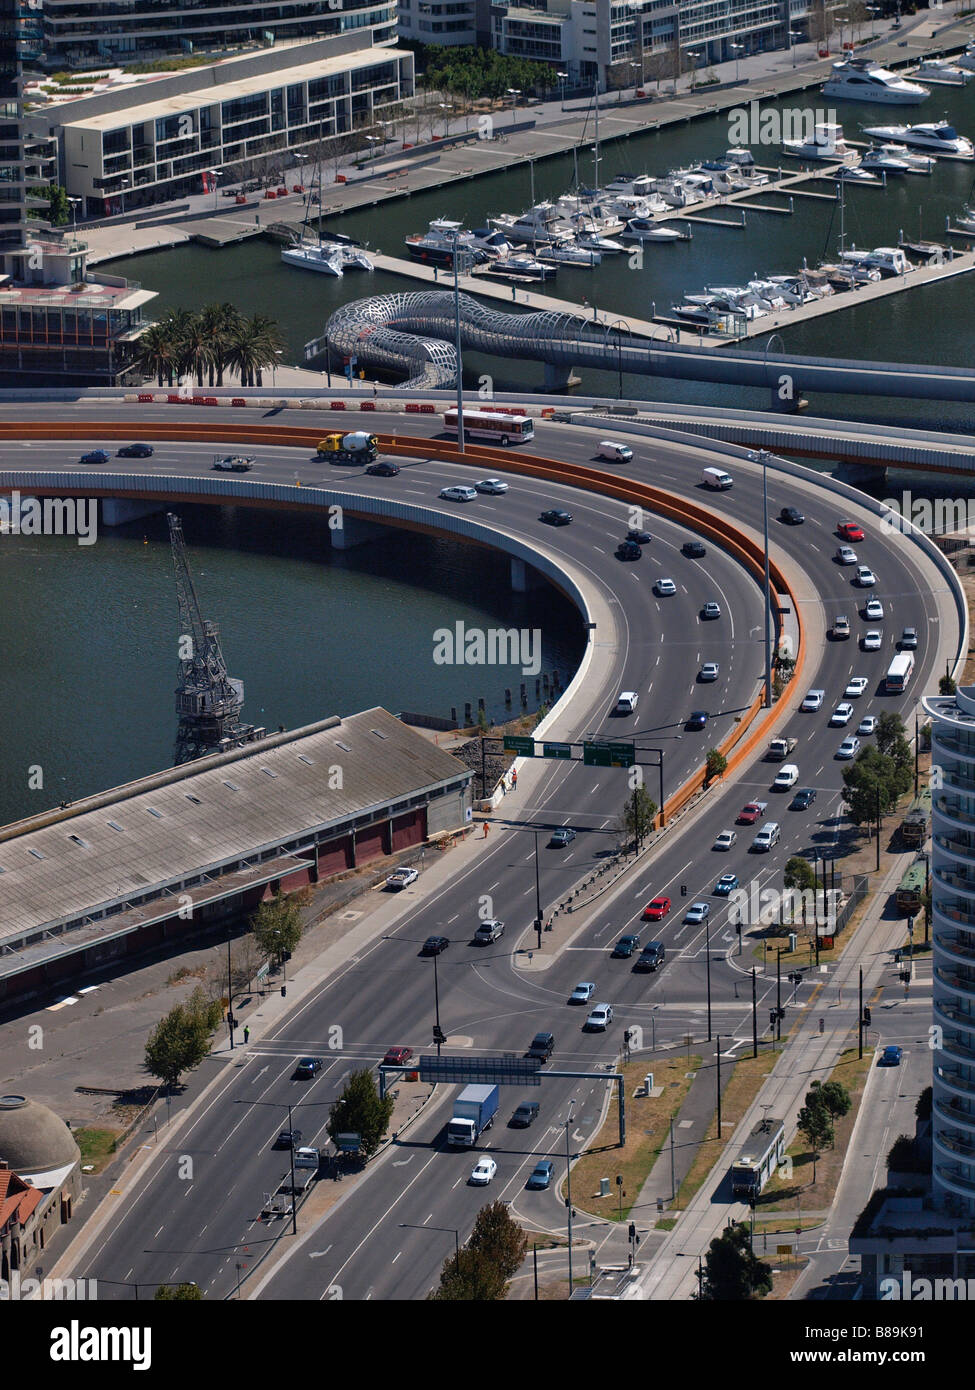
(317, 1254)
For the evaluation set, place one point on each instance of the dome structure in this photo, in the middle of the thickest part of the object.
(32, 1138)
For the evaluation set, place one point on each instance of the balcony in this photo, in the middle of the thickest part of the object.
(962, 747)
(955, 1179)
(953, 811)
(951, 878)
(954, 912)
(956, 1080)
(953, 1048)
(959, 983)
(959, 849)
(955, 944)
(950, 1111)
(953, 1018)
(955, 777)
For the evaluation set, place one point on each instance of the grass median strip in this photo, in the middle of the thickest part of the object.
(647, 1128)
(747, 1079)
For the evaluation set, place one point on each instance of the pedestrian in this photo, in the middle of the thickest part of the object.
(247, 1034)
(485, 835)
(514, 778)
(513, 294)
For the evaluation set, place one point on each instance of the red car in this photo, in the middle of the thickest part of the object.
(850, 531)
(653, 912)
(750, 813)
(397, 1056)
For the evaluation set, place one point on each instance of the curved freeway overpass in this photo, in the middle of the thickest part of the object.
(381, 1245)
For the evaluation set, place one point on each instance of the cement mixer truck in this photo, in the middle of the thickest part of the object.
(358, 447)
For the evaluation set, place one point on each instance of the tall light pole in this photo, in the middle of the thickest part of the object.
(460, 365)
(694, 54)
(841, 18)
(707, 953)
(610, 327)
(568, 1187)
(737, 49)
(763, 457)
(873, 11)
(538, 898)
(563, 78)
(514, 93)
(793, 36)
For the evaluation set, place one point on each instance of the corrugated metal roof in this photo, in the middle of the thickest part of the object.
(172, 826)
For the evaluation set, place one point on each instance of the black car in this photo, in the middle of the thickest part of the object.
(803, 799)
(697, 719)
(555, 517)
(308, 1066)
(792, 516)
(626, 945)
(136, 451)
(641, 537)
(288, 1139)
(383, 469)
(694, 550)
(94, 456)
(525, 1114)
(434, 945)
(542, 1045)
(651, 957)
(628, 550)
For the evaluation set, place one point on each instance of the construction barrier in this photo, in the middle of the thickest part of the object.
(336, 405)
(238, 400)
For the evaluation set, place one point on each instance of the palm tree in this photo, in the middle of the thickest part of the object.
(219, 322)
(154, 355)
(267, 343)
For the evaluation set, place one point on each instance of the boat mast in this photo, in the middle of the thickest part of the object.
(596, 158)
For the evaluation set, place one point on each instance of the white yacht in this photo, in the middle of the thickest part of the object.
(855, 173)
(492, 243)
(523, 266)
(644, 229)
(307, 255)
(827, 143)
(570, 253)
(897, 159)
(966, 60)
(542, 223)
(605, 245)
(628, 206)
(887, 260)
(630, 185)
(861, 79)
(938, 137)
(940, 73)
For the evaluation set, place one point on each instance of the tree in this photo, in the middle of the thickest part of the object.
(468, 1278)
(799, 873)
(874, 780)
(892, 743)
(815, 1126)
(359, 1110)
(714, 764)
(946, 686)
(277, 926)
(181, 1039)
(178, 1293)
(637, 816)
(59, 208)
(835, 1098)
(732, 1272)
(499, 1240)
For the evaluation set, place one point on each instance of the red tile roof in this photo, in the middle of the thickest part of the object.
(17, 1198)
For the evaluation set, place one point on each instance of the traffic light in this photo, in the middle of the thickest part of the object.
(866, 1015)
(284, 991)
(780, 1012)
(439, 1036)
(772, 1016)
(683, 890)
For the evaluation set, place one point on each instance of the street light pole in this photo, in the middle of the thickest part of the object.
(707, 952)
(563, 78)
(763, 457)
(457, 351)
(436, 1002)
(538, 898)
(568, 1187)
(736, 49)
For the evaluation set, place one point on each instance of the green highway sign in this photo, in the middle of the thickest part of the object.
(608, 755)
(556, 750)
(515, 743)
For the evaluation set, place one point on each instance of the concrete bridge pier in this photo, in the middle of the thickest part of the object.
(857, 473)
(116, 511)
(356, 531)
(524, 576)
(559, 378)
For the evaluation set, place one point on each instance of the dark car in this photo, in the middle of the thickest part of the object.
(626, 945)
(525, 1115)
(628, 550)
(890, 1057)
(136, 451)
(288, 1139)
(397, 1056)
(694, 550)
(792, 516)
(542, 1045)
(652, 956)
(383, 469)
(308, 1066)
(697, 719)
(641, 537)
(434, 945)
(541, 1174)
(803, 799)
(555, 517)
(561, 837)
(94, 456)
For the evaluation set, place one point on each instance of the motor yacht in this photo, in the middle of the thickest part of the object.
(886, 260)
(542, 223)
(940, 73)
(570, 253)
(855, 173)
(643, 229)
(896, 159)
(827, 143)
(861, 79)
(436, 245)
(492, 243)
(630, 185)
(966, 60)
(520, 265)
(938, 137)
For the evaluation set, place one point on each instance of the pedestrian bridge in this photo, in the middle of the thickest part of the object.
(414, 333)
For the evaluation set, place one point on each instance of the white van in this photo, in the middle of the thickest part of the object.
(616, 453)
(626, 703)
(306, 1158)
(717, 478)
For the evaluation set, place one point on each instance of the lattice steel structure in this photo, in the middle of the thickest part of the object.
(208, 701)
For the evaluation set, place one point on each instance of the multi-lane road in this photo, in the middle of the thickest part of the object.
(388, 1237)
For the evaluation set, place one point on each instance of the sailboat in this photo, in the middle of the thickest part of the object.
(325, 257)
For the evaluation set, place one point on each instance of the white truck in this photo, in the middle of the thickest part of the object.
(780, 748)
(474, 1112)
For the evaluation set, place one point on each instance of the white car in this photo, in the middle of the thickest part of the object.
(813, 700)
(234, 463)
(871, 641)
(664, 587)
(599, 1018)
(709, 671)
(767, 837)
(725, 840)
(492, 485)
(857, 686)
(402, 878)
(867, 725)
(489, 930)
(582, 993)
(874, 610)
(786, 777)
(849, 748)
(484, 1171)
(846, 555)
(459, 494)
(864, 577)
(842, 714)
(697, 912)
